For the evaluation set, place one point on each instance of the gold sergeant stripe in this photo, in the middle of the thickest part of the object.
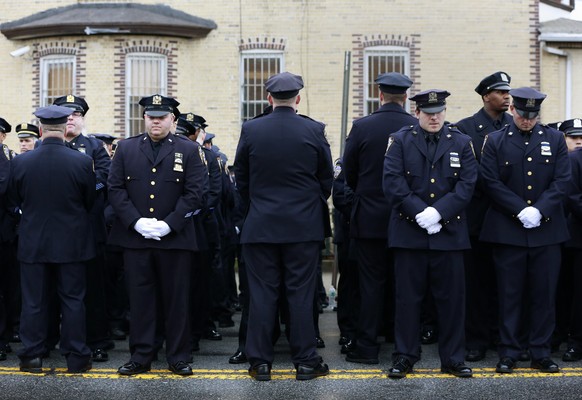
(287, 374)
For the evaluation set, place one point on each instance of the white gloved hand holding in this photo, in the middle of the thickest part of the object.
(428, 217)
(161, 228)
(436, 228)
(530, 217)
(146, 227)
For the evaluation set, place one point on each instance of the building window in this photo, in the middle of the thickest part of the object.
(146, 74)
(256, 67)
(56, 78)
(379, 60)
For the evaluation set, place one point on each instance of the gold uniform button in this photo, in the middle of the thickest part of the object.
(529, 173)
(151, 210)
(529, 202)
(154, 170)
(432, 180)
(153, 183)
(529, 187)
(529, 158)
(432, 195)
(152, 196)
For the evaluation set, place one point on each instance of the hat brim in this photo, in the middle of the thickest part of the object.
(527, 114)
(157, 113)
(432, 109)
(26, 135)
(574, 132)
(499, 86)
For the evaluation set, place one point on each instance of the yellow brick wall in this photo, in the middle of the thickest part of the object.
(459, 43)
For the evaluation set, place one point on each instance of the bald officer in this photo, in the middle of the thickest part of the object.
(526, 172)
(156, 186)
(430, 172)
(284, 173)
(56, 240)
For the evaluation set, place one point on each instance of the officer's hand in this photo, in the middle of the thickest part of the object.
(436, 228)
(428, 217)
(161, 229)
(530, 217)
(145, 226)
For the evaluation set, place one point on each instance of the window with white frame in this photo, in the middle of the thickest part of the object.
(146, 74)
(379, 60)
(57, 77)
(256, 67)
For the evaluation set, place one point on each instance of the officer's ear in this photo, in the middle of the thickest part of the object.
(298, 99)
(270, 98)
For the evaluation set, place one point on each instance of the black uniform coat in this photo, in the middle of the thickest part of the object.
(55, 189)
(412, 183)
(362, 165)
(284, 173)
(574, 202)
(169, 188)
(514, 174)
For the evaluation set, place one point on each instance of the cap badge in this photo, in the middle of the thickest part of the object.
(25, 126)
(70, 98)
(157, 100)
(190, 117)
(530, 103)
(432, 97)
(577, 123)
(504, 77)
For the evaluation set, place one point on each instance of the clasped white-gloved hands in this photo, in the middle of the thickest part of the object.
(530, 217)
(151, 228)
(429, 217)
(436, 228)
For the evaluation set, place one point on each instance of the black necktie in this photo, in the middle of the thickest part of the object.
(497, 124)
(431, 142)
(156, 148)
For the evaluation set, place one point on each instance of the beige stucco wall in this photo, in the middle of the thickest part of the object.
(459, 43)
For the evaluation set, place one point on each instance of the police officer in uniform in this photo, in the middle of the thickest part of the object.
(156, 185)
(284, 173)
(481, 318)
(56, 240)
(28, 135)
(430, 172)
(5, 127)
(362, 165)
(526, 172)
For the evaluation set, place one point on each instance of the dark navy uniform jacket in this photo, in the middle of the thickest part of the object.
(477, 127)
(8, 216)
(362, 164)
(284, 174)
(169, 188)
(55, 189)
(412, 183)
(574, 202)
(516, 176)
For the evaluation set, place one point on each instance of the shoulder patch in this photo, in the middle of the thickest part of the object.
(390, 141)
(472, 148)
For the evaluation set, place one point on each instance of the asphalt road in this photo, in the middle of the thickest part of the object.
(215, 378)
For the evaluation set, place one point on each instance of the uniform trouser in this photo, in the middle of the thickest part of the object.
(481, 289)
(70, 279)
(96, 306)
(200, 302)
(348, 300)
(158, 278)
(575, 320)
(9, 292)
(115, 289)
(442, 272)
(244, 303)
(269, 266)
(533, 271)
(375, 269)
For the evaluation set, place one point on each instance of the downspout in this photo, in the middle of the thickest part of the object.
(562, 53)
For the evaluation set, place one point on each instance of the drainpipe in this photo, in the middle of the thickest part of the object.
(562, 53)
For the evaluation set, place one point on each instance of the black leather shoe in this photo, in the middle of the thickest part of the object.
(524, 356)
(117, 334)
(2, 355)
(460, 370)
(350, 346)
(319, 343)
(99, 355)
(133, 368)
(306, 372)
(33, 365)
(261, 372)
(84, 368)
(211, 334)
(238, 358)
(505, 365)
(180, 368)
(572, 354)
(429, 336)
(400, 368)
(545, 365)
(475, 355)
(343, 340)
(355, 357)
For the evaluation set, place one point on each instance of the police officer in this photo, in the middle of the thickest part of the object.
(98, 338)
(284, 173)
(156, 186)
(481, 318)
(5, 127)
(526, 172)
(56, 240)
(362, 165)
(28, 135)
(430, 172)
(107, 141)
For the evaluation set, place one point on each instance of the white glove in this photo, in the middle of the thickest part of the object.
(436, 228)
(145, 227)
(161, 229)
(530, 217)
(428, 217)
